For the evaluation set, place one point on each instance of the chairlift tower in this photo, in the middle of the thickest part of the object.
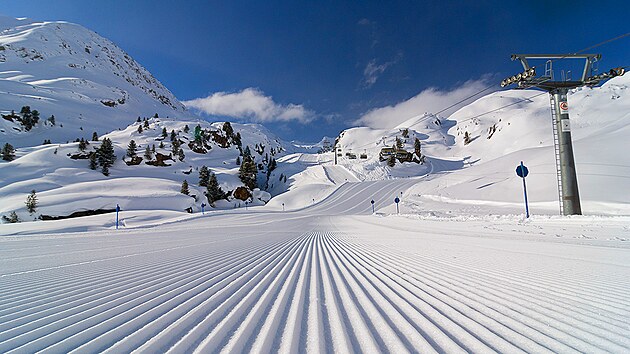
(558, 90)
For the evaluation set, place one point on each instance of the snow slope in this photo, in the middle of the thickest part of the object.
(65, 185)
(68, 71)
(480, 178)
(324, 279)
(599, 122)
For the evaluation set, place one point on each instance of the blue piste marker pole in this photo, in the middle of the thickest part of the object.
(372, 206)
(525, 193)
(203, 205)
(397, 200)
(522, 172)
(117, 210)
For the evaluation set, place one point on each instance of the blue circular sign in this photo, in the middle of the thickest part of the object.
(372, 201)
(397, 200)
(522, 171)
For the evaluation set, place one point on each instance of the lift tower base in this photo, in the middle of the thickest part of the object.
(568, 186)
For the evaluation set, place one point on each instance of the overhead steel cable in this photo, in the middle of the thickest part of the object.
(465, 99)
(502, 107)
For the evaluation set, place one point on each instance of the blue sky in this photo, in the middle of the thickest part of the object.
(311, 68)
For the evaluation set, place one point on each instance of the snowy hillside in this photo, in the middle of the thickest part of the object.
(65, 184)
(359, 149)
(522, 132)
(479, 176)
(85, 81)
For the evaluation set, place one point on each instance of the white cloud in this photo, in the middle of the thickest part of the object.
(430, 100)
(250, 104)
(373, 71)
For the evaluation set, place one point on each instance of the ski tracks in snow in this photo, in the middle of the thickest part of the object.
(320, 291)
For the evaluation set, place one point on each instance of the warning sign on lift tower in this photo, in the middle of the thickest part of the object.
(564, 106)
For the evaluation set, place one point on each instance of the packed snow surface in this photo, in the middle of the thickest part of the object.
(330, 277)
(316, 268)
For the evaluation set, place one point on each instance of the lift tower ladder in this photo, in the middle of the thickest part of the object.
(556, 149)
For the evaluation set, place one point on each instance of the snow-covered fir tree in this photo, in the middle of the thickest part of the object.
(105, 155)
(214, 192)
(248, 171)
(131, 148)
(8, 152)
(204, 176)
(31, 202)
(184, 189)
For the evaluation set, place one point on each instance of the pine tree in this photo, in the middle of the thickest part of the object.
(106, 156)
(237, 139)
(214, 192)
(198, 134)
(161, 145)
(417, 147)
(175, 147)
(184, 189)
(164, 132)
(466, 138)
(227, 128)
(186, 129)
(94, 136)
(31, 202)
(238, 160)
(247, 172)
(82, 145)
(391, 161)
(173, 135)
(146, 124)
(247, 152)
(27, 117)
(12, 218)
(147, 153)
(131, 149)
(271, 166)
(8, 152)
(35, 117)
(51, 120)
(93, 163)
(204, 175)
(139, 129)
(153, 148)
(181, 154)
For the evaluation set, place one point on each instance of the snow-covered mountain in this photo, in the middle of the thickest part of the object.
(84, 80)
(518, 128)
